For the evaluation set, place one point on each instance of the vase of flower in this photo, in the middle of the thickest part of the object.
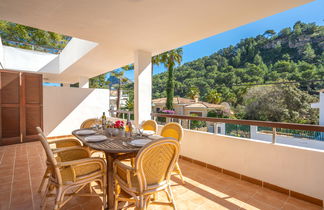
(119, 128)
(114, 131)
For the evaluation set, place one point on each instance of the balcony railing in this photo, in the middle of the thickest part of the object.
(275, 132)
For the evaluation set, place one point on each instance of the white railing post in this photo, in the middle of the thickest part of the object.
(274, 133)
(215, 128)
(253, 131)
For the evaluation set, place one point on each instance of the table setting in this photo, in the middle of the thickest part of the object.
(118, 140)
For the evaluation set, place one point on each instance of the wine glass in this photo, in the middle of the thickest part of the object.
(140, 131)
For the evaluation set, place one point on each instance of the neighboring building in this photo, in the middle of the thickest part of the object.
(186, 106)
(320, 106)
(113, 99)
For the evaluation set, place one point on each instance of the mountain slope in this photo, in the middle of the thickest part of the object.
(292, 54)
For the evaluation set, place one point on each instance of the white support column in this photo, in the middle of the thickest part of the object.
(83, 82)
(142, 86)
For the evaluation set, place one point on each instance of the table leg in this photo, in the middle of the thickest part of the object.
(110, 182)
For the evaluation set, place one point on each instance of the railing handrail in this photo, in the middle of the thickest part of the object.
(121, 111)
(294, 126)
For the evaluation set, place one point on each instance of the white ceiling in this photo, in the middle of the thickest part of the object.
(122, 26)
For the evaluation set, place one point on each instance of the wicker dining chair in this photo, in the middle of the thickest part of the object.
(150, 125)
(175, 131)
(151, 174)
(90, 123)
(70, 176)
(57, 145)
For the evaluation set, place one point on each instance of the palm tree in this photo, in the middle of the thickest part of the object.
(170, 59)
(121, 80)
(193, 92)
(213, 97)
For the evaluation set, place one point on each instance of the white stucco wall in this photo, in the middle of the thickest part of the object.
(290, 167)
(294, 168)
(66, 108)
(73, 51)
(320, 106)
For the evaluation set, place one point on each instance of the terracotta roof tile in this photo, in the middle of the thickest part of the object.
(188, 102)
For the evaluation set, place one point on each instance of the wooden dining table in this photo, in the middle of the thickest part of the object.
(114, 148)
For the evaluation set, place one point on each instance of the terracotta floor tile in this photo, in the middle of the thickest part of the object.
(5, 176)
(254, 204)
(5, 187)
(7, 171)
(271, 197)
(25, 206)
(299, 204)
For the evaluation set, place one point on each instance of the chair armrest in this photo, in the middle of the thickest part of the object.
(123, 173)
(80, 162)
(72, 153)
(123, 166)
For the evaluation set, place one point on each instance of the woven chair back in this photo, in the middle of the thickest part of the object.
(155, 162)
(150, 125)
(90, 123)
(173, 130)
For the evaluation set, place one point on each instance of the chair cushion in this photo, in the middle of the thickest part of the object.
(68, 176)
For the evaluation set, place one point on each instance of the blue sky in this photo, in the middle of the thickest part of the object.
(312, 12)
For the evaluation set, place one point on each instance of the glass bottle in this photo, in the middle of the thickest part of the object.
(103, 120)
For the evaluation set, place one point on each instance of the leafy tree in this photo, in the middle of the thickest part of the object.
(298, 28)
(30, 38)
(285, 32)
(193, 92)
(99, 81)
(213, 97)
(309, 53)
(218, 113)
(281, 103)
(269, 33)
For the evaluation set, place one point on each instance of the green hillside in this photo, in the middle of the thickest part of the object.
(293, 54)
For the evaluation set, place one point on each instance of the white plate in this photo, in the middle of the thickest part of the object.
(148, 132)
(155, 137)
(85, 132)
(95, 138)
(139, 142)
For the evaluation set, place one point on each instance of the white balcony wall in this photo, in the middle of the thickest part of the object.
(293, 168)
(66, 108)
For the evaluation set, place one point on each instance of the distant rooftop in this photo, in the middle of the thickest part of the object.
(188, 103)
